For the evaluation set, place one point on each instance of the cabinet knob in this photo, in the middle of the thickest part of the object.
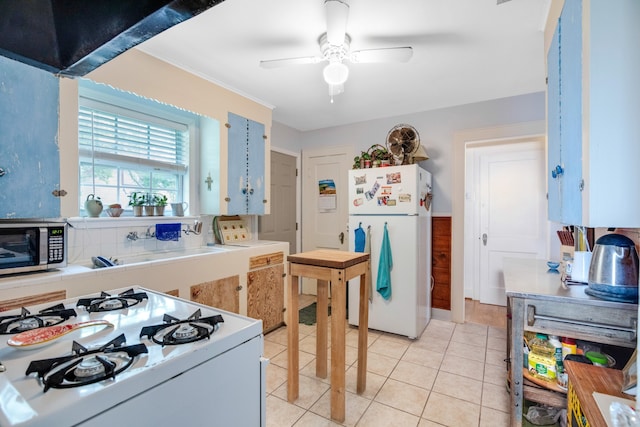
(2, 172)
(557, 171)
(59, 193)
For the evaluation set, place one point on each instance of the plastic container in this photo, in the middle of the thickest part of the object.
(568, 347)
(542, 358)
(540, 345)
(596, 358)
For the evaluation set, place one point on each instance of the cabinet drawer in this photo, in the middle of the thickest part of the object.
(266, 260)
(607, 325)
(27, 301)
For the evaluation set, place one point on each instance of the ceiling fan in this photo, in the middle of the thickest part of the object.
(335, 49)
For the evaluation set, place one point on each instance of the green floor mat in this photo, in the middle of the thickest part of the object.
(307, 315)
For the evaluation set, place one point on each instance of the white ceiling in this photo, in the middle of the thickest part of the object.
(464, 51)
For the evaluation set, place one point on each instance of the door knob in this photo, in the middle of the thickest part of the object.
(341, 237)
(484, 239)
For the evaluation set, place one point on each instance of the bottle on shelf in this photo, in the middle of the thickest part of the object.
(557, 345)
(542, 358)
(568, 346)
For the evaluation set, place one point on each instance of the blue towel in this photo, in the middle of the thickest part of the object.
(383, 284)
(360, 239)
(168, 232)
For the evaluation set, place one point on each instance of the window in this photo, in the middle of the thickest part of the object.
(128, 148)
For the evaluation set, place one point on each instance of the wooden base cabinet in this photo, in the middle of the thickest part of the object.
(221, 293)
(265, 290)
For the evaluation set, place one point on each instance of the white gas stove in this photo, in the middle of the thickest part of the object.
(167, 361)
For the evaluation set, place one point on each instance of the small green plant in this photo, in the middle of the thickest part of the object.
(160, 200)
(137, 199)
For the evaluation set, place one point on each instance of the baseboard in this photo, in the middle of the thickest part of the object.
(440, 314)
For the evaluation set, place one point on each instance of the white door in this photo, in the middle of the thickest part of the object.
(281, 224)
(324, 218)
(512, 212)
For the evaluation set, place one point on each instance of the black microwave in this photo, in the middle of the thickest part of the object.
(28, 245)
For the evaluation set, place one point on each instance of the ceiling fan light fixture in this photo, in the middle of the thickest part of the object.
(335, 73)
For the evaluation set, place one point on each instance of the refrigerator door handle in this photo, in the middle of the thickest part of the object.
(341, 237)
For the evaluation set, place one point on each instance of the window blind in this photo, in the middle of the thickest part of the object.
(144, 142)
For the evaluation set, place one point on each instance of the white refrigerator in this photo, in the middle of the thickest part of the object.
(400, 197)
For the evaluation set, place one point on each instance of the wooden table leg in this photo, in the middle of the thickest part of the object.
(292, 340)
(338, 314)
(363, 321)
(322, 319)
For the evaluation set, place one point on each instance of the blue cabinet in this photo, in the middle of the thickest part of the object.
(593, 63)
(246, 167)
(30, 159)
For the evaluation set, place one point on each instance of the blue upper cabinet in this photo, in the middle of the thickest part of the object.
(592, 114)
(246, 167)
(30, 159)
(554, 161)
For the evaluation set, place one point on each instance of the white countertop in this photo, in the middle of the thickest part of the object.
(144, 260)
(531, 278)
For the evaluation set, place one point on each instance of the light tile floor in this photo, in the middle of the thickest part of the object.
(453, 375)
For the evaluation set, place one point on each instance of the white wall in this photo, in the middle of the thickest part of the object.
(436, 130)
(440, 132)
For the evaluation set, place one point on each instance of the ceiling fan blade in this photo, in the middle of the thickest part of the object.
(286, 62)
(391, 54)
(337, 12)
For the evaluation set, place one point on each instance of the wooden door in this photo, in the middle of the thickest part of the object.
(324, 226)
(280, 224)
(512, 212)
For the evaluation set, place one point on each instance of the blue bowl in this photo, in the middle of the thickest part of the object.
(553, 265)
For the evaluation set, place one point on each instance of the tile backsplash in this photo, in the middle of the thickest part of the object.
(126, 237)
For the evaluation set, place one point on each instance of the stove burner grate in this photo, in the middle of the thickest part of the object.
(86, 366)
(175, 331)
(107, 302)
(26, 321)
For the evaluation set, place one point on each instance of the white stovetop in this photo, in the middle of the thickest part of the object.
(23, 402)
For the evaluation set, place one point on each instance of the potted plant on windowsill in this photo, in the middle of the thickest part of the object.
(160, 202)
(137, 200)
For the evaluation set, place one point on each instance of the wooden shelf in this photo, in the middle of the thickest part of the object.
(536, 390)
(549, 385)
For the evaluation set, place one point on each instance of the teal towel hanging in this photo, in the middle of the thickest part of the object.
(383, 283)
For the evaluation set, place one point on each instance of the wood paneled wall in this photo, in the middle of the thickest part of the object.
(441, 262)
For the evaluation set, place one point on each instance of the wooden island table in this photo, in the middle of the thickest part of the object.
(334, 267)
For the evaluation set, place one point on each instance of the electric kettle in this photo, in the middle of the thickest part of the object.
(613, 273)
